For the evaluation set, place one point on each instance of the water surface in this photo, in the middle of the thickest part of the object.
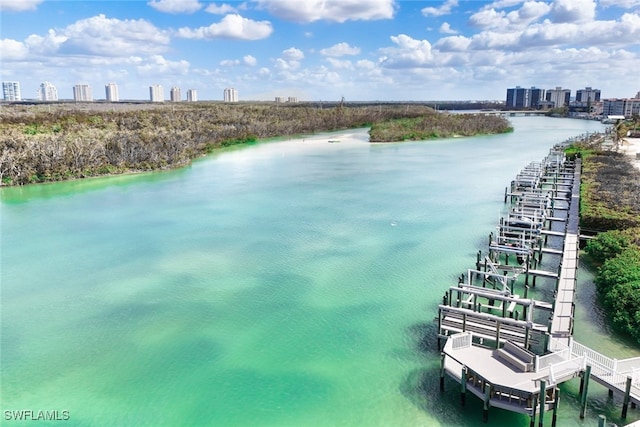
(291, 283)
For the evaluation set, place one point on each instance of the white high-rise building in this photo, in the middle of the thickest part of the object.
(192, 95)
(82, 93)
(558, 96)
(111, 92)
(47, 92)
(156, 93)
(176, 94)
(11, 91)
(230, 95)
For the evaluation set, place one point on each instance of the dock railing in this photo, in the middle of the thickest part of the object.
(593, 357)
(560, 353)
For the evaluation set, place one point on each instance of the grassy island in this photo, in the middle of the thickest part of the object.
(60, 141)
(438, 125)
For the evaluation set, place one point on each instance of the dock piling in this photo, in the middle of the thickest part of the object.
(627, 392)
(584, 387)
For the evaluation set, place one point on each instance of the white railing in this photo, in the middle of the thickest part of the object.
(551, 359)
(570, 367)
(461, 340)
(593, 357)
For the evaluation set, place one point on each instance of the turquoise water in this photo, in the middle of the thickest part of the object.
(291, 283)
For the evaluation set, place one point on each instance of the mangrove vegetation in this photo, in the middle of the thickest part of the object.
(610, 206)
(60, 141)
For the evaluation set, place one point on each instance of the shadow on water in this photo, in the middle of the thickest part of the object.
(422, 388)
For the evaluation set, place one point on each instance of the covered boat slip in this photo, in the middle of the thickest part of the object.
(510, 350)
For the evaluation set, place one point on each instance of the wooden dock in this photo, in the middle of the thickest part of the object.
(505, 348)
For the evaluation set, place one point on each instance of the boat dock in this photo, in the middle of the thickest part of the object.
(506, 348)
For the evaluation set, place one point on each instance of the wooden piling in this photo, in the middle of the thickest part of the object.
(625, 403)
(463, 386)
(556, 404)
(442, 356)
(584, 387)
(543, 401)
(487, 398)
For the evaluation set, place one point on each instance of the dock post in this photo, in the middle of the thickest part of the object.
(625, 403)
(602, 421)
(556, 404)
(442, 356)
(534, 406)
(487, 397)
(543, 401)
(585, 387)
(463, 386)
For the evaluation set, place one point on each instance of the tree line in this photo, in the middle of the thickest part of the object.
(51, 143)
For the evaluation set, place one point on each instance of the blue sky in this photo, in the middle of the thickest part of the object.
(323, 49)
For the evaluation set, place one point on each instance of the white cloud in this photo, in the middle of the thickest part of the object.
(489, 18)
(13, 50)
(231, 27)
(453, 44)
(222, 9)
(229, 62)
(365, 64)
(250, 60)
(573, 10)
(408, 53)
(290, 59)
(501, 4)
(530, 11)
(445, 28)
(292, 54)
(626, 4)
(343, 64)
(444, 9)
(100, 35)
(157, 65)
(340, 49)
(19, 5)
(329, 10)
(175, 6)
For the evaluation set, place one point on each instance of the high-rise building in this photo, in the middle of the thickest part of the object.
(175, 94)
(558, 97)
(47, 92)
(293, 99)
(82, 93)
(230, 95)
(111, 92)
(520, 97)
(588, 95)
(156, 93)
(192, 95)
(11, 91)
(627, 107)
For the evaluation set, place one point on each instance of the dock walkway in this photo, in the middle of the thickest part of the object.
(498, 345)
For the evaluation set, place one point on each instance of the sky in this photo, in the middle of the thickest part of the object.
(323, 50)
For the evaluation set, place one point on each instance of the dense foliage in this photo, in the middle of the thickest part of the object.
(41, 143)
(618, 280)
(438, 125)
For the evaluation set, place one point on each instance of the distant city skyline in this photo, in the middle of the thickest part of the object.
(388, 50)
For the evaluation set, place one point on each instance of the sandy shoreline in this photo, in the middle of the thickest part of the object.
(631, 147)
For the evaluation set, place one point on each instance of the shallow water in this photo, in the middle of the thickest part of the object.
(290, 283)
